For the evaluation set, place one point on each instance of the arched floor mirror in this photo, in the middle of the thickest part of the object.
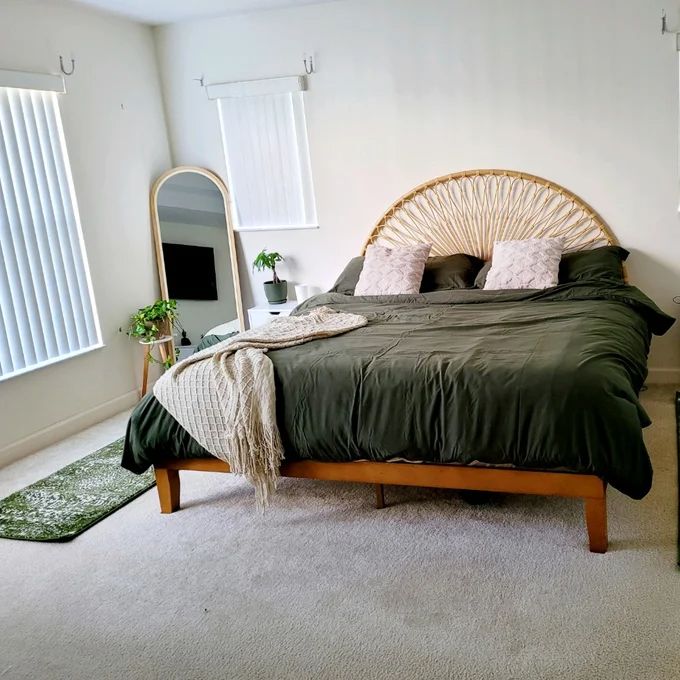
(196, 254)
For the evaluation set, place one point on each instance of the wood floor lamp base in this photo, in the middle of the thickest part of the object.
(590, 488)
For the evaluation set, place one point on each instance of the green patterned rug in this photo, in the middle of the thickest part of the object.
(71, 500)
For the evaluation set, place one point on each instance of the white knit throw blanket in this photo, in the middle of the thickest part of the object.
(224, 396)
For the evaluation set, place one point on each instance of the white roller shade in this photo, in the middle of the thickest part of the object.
(265, 142)
(45, 82)
(47, 309)
(253, 88)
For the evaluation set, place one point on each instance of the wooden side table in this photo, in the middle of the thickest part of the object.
(165, 347)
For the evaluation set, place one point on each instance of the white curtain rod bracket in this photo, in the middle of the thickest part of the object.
(252, 88)
(25, 80)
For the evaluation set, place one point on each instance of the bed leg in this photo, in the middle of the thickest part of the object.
(379, 496)
(596, 521)
(167, 483)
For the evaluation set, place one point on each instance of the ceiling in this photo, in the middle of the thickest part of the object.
(170, 11)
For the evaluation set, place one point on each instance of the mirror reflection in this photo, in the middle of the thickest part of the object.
(198, 260)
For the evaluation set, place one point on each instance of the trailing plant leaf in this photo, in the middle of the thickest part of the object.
(150, 323)
(146, 322)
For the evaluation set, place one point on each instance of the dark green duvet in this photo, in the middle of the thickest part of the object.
(537, 379)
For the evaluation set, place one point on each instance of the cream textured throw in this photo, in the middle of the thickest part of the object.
(224, 396)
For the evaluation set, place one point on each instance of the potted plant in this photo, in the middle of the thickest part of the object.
(276, 290)
(152, 323)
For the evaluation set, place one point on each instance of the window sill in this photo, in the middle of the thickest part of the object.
(268, 227)
(50, 362)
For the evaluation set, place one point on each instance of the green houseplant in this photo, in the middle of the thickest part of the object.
(149, 324)
(276, 290)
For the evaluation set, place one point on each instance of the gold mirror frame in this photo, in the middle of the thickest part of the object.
(158, 242)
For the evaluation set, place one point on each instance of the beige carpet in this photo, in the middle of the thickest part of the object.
(325, 586)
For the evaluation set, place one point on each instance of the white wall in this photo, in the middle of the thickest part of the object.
(583, 93)
(117, 142)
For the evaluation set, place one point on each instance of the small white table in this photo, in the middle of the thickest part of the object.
(262, 314)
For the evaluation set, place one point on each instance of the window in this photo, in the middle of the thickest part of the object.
(47, 310)
(265, 142)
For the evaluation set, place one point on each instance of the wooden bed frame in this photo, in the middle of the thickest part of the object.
(460, 213)
(589, 487)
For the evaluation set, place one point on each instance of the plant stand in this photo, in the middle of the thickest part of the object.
(165, 347)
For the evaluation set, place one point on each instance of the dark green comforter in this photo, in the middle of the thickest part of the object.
(537, 379)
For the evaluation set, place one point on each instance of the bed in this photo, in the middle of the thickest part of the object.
(524, 391)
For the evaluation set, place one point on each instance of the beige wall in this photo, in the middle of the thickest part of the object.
(583, 93)
(117, 143)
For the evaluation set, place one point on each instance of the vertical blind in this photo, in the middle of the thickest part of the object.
(47, 309)
(265, 142)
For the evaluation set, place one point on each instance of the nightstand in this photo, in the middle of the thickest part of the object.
(262, 314)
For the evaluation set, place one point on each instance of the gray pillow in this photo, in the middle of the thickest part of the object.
(347, 281)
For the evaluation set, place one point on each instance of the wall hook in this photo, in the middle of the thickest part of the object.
(309, 68)
(665, 29)
(63, 70)
(200, 81)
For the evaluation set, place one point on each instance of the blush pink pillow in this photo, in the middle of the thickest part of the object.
(393, 271)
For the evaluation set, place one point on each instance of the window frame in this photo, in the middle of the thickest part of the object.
(48, 87)
(294, 86)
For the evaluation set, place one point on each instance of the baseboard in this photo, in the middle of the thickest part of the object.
(65, 428)
(664, 376)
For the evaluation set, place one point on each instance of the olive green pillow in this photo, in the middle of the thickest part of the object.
(442, 272)
(480, 279)
(605, 263)
(210, 340)
(447, 272)
(348, 279)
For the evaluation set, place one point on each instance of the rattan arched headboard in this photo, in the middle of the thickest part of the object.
(465, 212)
